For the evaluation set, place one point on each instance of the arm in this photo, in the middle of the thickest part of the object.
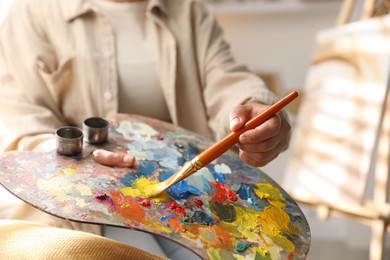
(28, 112)
(233, 96)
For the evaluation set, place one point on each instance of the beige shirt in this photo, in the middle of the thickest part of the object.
(139, 90)
(57, 68)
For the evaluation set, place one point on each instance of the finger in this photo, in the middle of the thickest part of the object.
(260, 147)
(257, 159)
(113, 159)
(238, 116)
(267, 130)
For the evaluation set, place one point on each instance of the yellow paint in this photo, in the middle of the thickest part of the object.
(83, 189)
(81, 203)
(262, 251)
(274, 222)
(245, 223)
(57, 187)
(67, 171)
(141, 188)
(271, 194)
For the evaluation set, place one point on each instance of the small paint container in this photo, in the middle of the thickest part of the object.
(69, 140)
(95, 130)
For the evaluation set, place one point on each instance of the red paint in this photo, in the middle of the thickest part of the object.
(198, 202)
(176, 207)
(222, 193)
(144, 202)
(159, 137)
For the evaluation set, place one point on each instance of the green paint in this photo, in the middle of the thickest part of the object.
(240, 247)
(224, 212)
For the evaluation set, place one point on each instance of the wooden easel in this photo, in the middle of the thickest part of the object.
(375, 211)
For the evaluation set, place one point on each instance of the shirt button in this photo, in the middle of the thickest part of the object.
(107, 54)
(107, 95)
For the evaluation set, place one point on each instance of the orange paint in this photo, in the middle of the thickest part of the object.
(126, 207)
(174, 224)
(216, 236)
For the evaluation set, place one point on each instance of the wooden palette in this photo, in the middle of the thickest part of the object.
(227, 210)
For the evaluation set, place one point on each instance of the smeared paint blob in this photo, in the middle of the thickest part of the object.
(131, 130)
(144, 202)
(67, 171)
(163, 218)
(140, 188)
(215, 236)
(129, 178)
(224, 212)
(101, 196)
(146, 167)
(176, 207)
(199, 181)
(158, 137)
(241, 247)
(201, 218)
(222, 193)
(175, 225)
(198, 202)
(222, 168)
(262, 254)
(126, 207)
(219, 177)
(274, 222)
(271, 194)
(244, 192)
(104, 198)
(182, 190)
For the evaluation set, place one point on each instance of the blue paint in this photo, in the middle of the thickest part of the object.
(201, 218)
(190, 151)
(219, 177)
(244, 192)
(129, 178)
(180, 190)
(168, 216)
(201, 183)
(147, 167)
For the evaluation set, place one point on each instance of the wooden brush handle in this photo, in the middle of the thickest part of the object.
(217, 149)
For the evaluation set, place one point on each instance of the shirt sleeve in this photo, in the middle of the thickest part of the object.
(226, 83)
(29, 113)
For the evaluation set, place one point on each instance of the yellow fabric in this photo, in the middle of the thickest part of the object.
(26, 212)
(29, 240)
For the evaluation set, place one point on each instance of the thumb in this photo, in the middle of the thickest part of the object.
(238, 117)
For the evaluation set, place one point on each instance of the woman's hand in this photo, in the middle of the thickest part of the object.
(261, 145)
(113, 159)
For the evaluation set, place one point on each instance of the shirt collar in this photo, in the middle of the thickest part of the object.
(77, 8)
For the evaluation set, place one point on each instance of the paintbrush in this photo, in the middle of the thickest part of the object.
(218, 148)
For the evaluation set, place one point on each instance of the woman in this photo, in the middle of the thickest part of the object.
(63, 61)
